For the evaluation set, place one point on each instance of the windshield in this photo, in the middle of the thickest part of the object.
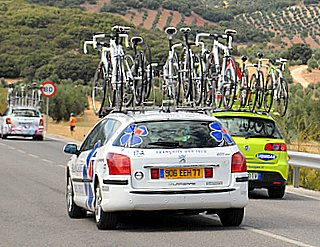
(174, 134)
(25, 113)
(251, 127)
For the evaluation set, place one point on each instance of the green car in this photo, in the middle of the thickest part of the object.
(260, 140)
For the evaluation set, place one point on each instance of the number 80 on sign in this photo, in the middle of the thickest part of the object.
(48, 89)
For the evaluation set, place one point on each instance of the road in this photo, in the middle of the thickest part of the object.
(33, 211)
(296, 74)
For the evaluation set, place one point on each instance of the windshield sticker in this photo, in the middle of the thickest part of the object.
(219, 134)
(132, 135)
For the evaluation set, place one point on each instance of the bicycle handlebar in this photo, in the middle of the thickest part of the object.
(85, 50)
(95, 37)
(201, 35)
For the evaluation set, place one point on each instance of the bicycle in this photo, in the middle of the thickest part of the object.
(222, 78)
(171, 83)
(142, 70)
(276, 88)
(191, 70)
(113, 75)
(242, 90)
(256, 84)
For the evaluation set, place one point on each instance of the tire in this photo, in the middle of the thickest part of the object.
(229, 87)
(128, 86)
(209, 81)
(281, 102)
(186, 74)
(261, 89)
(268, 94)
(244, 89)
(148, 71)
(74, 211)
(99, 89)
(139, 73)
(276, 192)
(231, 216)
(253, 93)
(177, 83)
(197, 86)
(104, 220)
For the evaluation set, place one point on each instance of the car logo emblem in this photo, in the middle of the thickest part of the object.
(182, 159)
(138, 175)
(246, 147)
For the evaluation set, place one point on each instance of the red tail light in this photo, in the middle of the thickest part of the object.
(208, 172)
(238, 163)
(275, 147)
(41, 122)
(8, 121)
(155, 173)
(118, 164)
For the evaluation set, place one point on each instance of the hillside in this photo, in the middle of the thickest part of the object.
(279, 22)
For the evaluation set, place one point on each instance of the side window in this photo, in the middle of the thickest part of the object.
(92, 138)
(108, 129)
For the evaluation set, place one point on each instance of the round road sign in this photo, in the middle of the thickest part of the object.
(48, 89)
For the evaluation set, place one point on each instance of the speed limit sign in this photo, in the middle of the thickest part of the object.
(48, 89)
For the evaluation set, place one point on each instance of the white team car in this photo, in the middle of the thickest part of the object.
(154, 161)
(22, 121)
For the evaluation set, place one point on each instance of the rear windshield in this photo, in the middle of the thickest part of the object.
(25, 113)
(174, 134)
(251, 127)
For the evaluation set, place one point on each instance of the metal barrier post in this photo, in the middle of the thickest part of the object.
(296, 176)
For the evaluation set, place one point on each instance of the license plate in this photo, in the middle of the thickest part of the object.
(254, 176)
(181, 173)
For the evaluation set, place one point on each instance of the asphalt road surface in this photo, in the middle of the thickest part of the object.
(33, 211)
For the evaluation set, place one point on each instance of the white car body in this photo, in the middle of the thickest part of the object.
(138, 191)
(22, 121)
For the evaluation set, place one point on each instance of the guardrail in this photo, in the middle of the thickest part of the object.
(300, 159)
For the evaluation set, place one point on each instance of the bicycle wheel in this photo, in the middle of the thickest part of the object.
(229, 85)
(148, 72)
(176, 80)
(128, 82)
(268, 93)
(208, 82)
(99, 89)
(253, 93)
(244, 89)
(260, 87)
(197, 79)
(282, 95)
(139, 75)
(186, 74)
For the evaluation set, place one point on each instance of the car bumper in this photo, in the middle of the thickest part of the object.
(119, 198)
(16, 131)
(267, 180)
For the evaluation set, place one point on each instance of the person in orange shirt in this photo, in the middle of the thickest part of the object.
(72, 123)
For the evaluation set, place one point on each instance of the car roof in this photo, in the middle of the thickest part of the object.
(24, 107)
(242, 114)
(159, 115)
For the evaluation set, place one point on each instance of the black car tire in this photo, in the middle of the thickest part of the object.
(231, 216)
(104, 220)
(276, 192)
(74, 211)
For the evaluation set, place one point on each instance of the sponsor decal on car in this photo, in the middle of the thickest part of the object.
(132, 135)
(219, 134)
(266, 156)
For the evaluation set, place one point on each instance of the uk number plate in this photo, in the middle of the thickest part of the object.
(254, 176)
(181, 173)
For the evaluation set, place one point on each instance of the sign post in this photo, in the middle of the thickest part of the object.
(48, 89)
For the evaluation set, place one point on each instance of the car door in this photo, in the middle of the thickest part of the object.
(82, 168)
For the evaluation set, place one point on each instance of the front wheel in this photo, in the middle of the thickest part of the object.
(281, 99)
(104, 220)
(231, 216)
(229, 85)
(99, 89)
(253, 93)
(74, 211)
(268, 94)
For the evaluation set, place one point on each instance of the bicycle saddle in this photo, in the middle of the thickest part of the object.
(185, 30)
(282, 60)
(136, 40)
(260, 55)
(244, 58)
(171, 30)
(230, 32)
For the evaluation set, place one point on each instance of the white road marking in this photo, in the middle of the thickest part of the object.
(12, 148)
(33, 156)
(278, 237)
(268, 234)
(48, 161)
(1, 144)
(21, 151)
(300, 194)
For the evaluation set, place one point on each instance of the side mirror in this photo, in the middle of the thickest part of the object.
(71, 149)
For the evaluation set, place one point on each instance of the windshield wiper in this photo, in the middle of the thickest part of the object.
(166, 144)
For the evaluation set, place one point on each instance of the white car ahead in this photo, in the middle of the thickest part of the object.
(22, 121)
(154, 161)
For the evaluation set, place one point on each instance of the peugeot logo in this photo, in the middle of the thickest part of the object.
(182, 159)
(138, 175)
(246, 147)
